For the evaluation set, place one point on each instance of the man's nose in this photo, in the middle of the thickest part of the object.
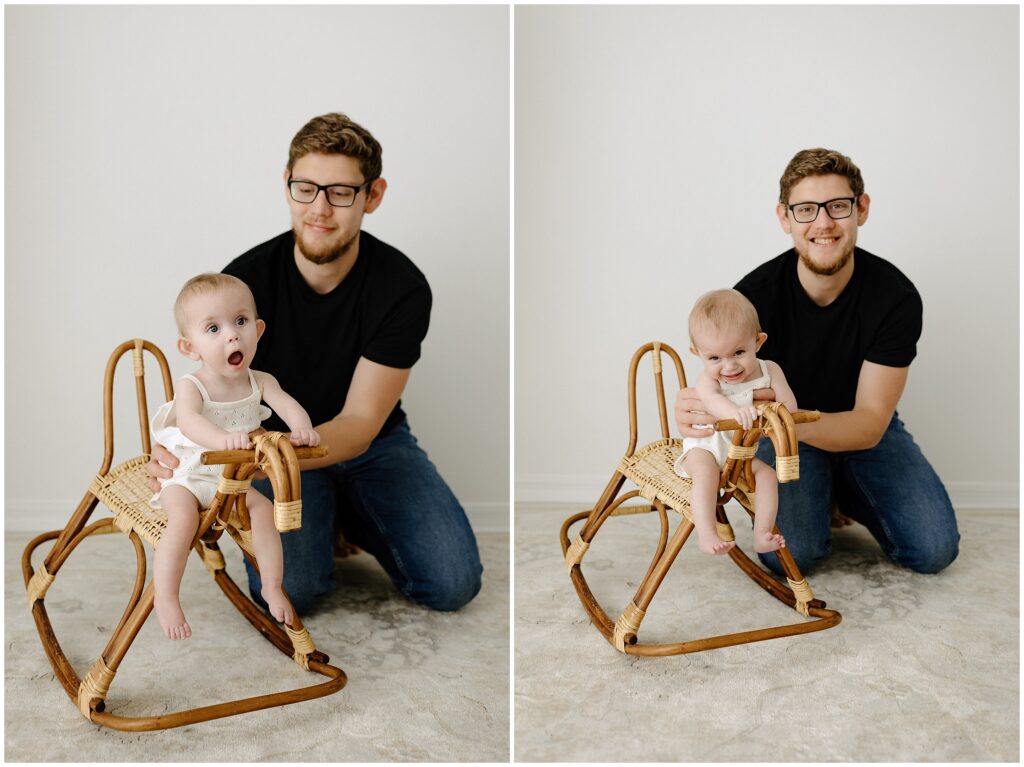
(320, 204)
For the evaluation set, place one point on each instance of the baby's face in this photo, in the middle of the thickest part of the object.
(729, 356)
(221, 329)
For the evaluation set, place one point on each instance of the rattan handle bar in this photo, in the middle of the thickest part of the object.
(800, 416)
(217, 457)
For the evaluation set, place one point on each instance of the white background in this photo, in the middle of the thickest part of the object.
(649, 144)
(146, 144)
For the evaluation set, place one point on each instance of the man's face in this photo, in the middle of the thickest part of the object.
(824, 245)
(324, 233)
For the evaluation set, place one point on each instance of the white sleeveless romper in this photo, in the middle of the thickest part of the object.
(243, 415)
(741, 394)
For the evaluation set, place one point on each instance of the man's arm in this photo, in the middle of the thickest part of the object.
(878, 391)
(372, 395)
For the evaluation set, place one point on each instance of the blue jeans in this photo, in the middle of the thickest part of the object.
(891, 489)
(391, 502)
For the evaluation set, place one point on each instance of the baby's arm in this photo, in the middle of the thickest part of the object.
(720, 406)
(188, 407)
(291, 412)
(783, 393)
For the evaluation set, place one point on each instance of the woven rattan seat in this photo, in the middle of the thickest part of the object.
(125, 492)
(650, 469)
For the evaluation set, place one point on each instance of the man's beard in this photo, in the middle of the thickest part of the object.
(325, 256)
(827, 270)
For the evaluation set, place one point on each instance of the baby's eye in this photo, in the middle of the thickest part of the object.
(712, 359)
(241, 321)
(212, 328)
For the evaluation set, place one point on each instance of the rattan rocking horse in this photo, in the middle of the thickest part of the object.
(125, 492)
(651, 469)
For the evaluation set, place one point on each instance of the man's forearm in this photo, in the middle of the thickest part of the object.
(345, 437)
(838, 432)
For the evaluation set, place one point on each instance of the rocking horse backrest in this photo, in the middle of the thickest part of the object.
(656, 348)
(137, 346)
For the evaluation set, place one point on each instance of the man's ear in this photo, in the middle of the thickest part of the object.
(185, 347)
(260, 327)
(863, 203)
(759, 341)
(375, 194)
(783, 213)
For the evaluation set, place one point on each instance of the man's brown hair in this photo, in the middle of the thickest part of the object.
(819, 162)
(335, 133)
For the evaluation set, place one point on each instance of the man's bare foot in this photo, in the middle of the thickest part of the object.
(278, 604)
(712, 544)
(342, 548)
(171, 618)
(837, 518)
(766, 540)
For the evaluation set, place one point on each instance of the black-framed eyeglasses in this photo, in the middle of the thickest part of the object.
(806, 212)
(338, 195)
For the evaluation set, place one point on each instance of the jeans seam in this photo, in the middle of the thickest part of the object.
(874, 506)
(372, 517)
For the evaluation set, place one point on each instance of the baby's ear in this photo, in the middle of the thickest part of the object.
(761, 338)
(260, 327)
(185, 347)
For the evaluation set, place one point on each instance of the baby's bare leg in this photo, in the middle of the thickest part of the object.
(766, 506)
(266, 542)
(182, 511)
(704, 471)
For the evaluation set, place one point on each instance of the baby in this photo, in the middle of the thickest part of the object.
(215, 409)
(725, 334)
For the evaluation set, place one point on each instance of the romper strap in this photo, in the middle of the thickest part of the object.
(199, 385)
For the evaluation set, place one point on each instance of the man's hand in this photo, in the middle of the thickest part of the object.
(161, 464)
(688, 412)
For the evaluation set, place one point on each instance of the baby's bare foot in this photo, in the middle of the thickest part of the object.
(712, 544)
(171, 618)
(766, 540)
(278, 604)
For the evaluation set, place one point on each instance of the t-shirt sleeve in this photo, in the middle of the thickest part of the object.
(895, 343)
(397, 340)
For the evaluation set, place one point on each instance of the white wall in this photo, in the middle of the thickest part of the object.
(146, 144)
(649, 143)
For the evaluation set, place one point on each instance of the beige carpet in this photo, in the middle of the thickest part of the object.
(423, 686)
(922, 668)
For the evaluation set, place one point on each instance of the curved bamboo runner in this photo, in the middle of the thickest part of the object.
(651, 469)
(125, 492)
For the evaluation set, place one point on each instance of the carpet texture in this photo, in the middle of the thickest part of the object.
(423, 686)
(922, 667)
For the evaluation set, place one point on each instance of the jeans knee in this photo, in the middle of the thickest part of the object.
(933, 559)
(453, 590)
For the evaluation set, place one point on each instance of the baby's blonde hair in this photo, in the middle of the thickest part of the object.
(721, 310)
(207, 282)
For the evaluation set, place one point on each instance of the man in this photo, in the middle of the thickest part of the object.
(345, 315)
(843, 324)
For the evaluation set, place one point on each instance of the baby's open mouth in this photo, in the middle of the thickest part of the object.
(235, 359)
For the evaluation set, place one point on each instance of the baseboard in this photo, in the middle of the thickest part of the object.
(586, 488)
(36, 516)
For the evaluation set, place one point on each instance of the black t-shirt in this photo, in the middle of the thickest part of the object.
(312, 343)
(821, 349)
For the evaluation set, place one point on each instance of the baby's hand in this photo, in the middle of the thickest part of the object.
(236, 440)
(300, 437)
(746, 416)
